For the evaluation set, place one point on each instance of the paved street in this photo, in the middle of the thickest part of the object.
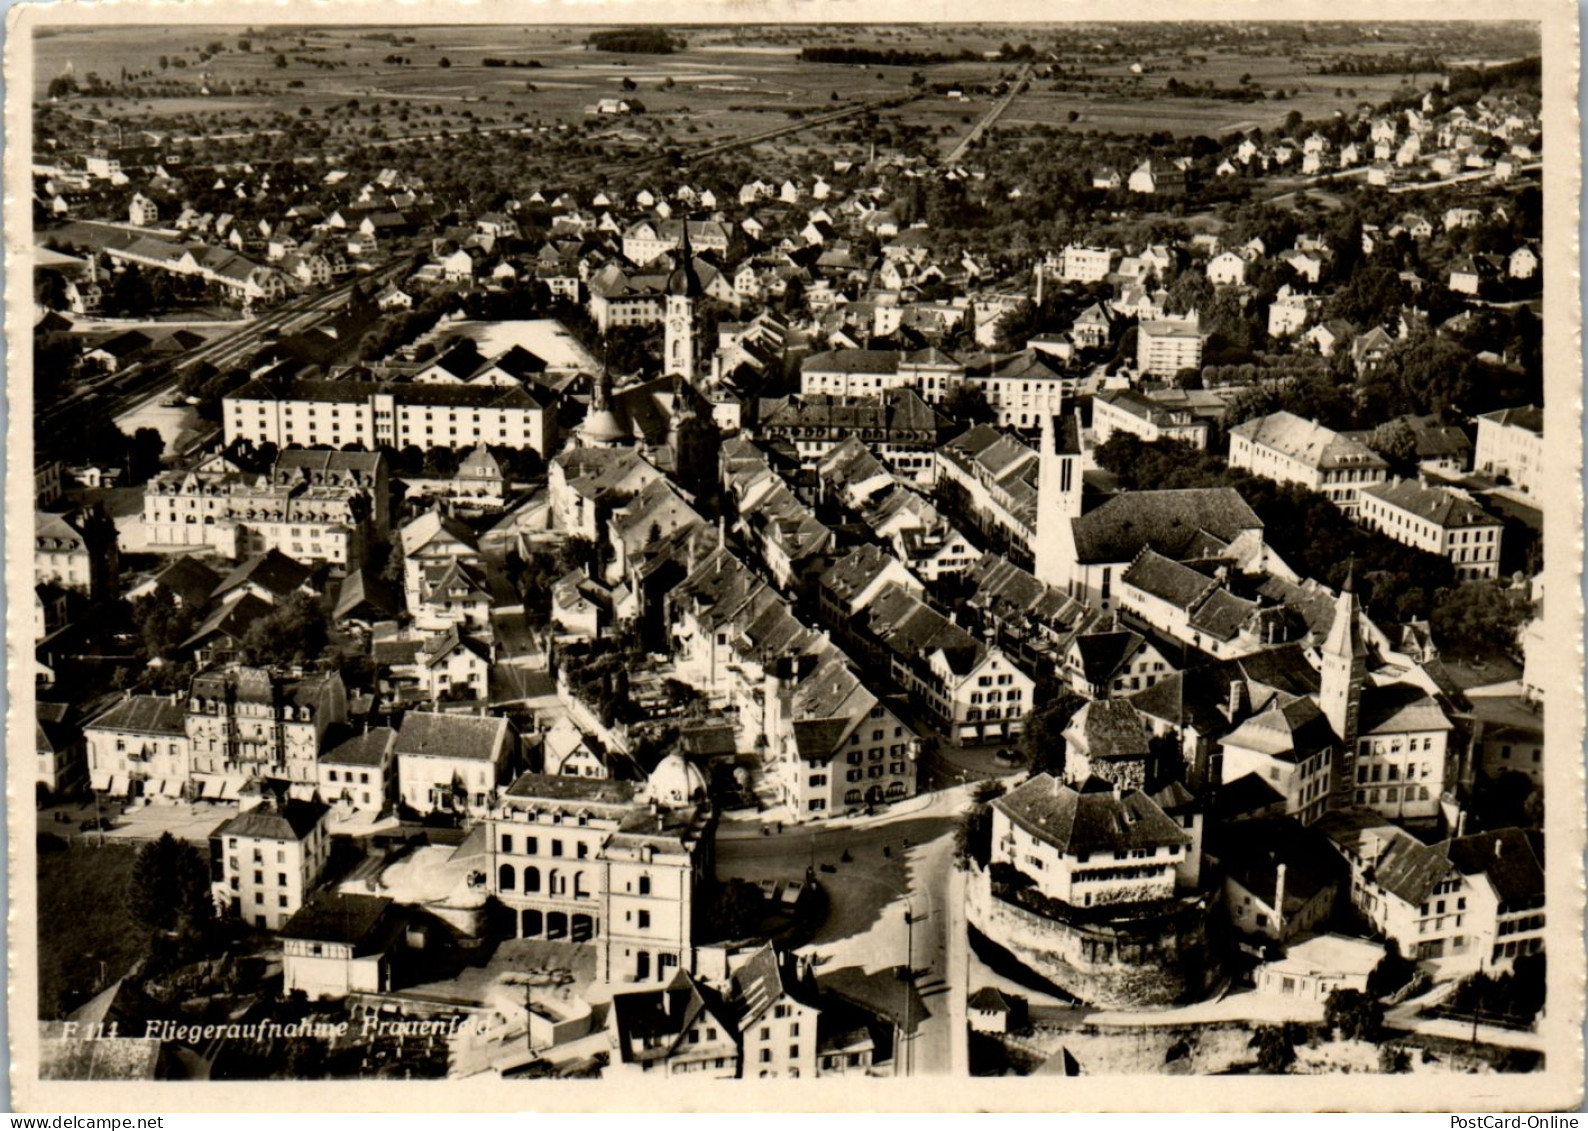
(865, 924)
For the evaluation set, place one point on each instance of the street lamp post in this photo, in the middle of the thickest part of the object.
(904, 1053)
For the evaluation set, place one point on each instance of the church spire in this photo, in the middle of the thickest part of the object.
(1341, 678)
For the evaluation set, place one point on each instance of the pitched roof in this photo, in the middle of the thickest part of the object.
(1506, 856)
(147, 714)
(372, 748)
(272, 571)
(1530, 418)
(338, 917)
(1112, 729)
(1289, 732)
(1168, 580)
(1170, 522)
(188, 579)
(1073, 821)
(1432, 504)
(1308, 442)
(1104, 653)
(291, 820)
(1399, 708)
(474, 737)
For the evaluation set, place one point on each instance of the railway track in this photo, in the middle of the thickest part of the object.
(134, 386)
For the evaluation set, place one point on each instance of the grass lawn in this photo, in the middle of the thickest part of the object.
(82, 915)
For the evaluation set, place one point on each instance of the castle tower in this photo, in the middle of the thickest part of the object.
(1058, 500)
(683, 288)
(1343, 672)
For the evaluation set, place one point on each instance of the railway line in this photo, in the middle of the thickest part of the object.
(129, 388)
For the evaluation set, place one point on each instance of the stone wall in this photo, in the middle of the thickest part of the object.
(1157, 961)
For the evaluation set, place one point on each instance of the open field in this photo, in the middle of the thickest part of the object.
(79, 877)
(361, 86)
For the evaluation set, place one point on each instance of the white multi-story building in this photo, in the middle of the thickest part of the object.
(314, 506)
(1077, 264)
(1166, 346)
(1291, 449)
(453, 763)
(1438, 521)
(1125, 410)
(1088, 848)
(303, 412)
(1511, 443)
(591, 860)
(267, 859)
(1465, 905)
(1023, 388)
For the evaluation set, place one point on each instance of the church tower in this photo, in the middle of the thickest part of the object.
(1343, 673)
(683, 288)
(1058, 500)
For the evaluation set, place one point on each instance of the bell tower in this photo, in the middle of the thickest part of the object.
(683, 288)
(1343, 671)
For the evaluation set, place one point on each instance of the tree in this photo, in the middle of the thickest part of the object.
(1354, 1015)
(1275, 1050)
(1392, 972)
(968, 404)
(162, 623)
(291, 634)
(281, 61)
(973, 834)
(1043, 740)
(445, 62)
(1476, 618)
(170, 887)
(1397, 443)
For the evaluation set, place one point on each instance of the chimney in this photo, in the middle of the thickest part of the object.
(1237, 701)
(1499, 848)
(1279, 901)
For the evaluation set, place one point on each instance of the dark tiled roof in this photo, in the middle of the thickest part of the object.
(1507, 858)
(272, 571)
(146, 714)
(292, 820)
(1104, 653)
(1397, 708)
(1169, 522)
(1100, 821)
(1431, 504)
(369, 749)
(556, 787)
(1168, 580)
(451, 736)
(338, 917)
(1113, 729)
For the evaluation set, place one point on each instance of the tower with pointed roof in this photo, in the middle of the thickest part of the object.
(1342, 675)
(1058, 500)
(683, 288)
(601, 427)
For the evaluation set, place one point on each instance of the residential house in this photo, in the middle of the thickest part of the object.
(452, 763)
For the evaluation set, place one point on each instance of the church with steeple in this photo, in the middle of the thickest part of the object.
(664, 416)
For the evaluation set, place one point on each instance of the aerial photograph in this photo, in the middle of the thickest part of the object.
(787, 551)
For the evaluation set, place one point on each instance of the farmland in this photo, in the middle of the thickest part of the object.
(356, 87)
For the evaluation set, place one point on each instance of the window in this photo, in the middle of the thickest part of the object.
(507, 842)
(644, 921)
(645, 885)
